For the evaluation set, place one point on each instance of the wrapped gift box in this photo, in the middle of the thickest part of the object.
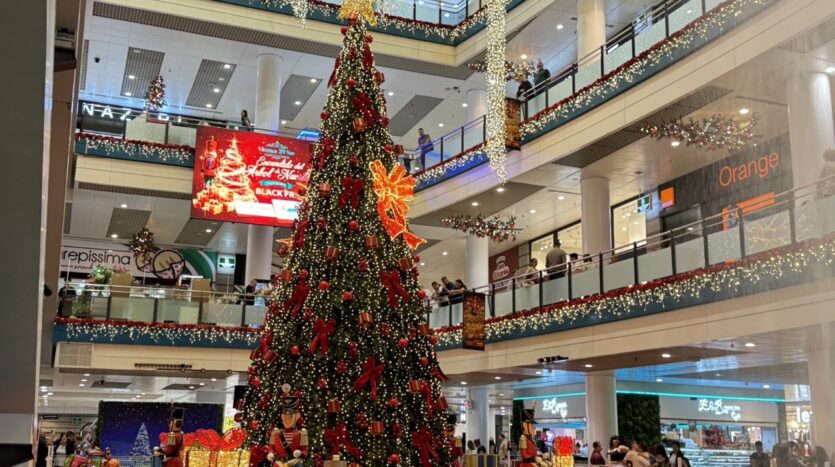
(197, 457)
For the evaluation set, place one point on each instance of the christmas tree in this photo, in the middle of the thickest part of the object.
(142, 444)
(155, 96)
(346, 326)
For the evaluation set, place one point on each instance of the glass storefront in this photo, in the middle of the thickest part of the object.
(629, 226)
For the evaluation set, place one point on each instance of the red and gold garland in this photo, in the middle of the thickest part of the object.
(135, 148)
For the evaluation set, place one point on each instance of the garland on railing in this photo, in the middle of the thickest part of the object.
(626, 73)
(384, 19)
(512, 69)
(452, 163)
(135, 148)
(156, 332)
(712, 134)
(498, 229)
(628, 301)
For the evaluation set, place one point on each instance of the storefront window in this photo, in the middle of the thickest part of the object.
(572, 239)
(630, 226)
(540, 247)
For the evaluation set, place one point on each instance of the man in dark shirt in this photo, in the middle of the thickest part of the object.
(759, 458)
(524, 86)
(541, 75)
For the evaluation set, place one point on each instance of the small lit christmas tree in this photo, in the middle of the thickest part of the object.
(345, 333)
(155, 96)
(142, 444)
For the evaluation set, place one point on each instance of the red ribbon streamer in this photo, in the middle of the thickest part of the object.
(371, 374)
(439, 374)
(323, 330)
(298, 232)
(266, 340)
(391, 281)
(325, 149)
(338, 438)
(296, 300)
(351, 189)
(422, 440)
(426, 391)
(364, 105)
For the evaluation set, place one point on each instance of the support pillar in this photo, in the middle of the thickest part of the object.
(478, 414)
(811, 126)
(601, 406)
(23, 199)
(821, 362)
(478, 261)
(595, 214)
(591, 26)
(259, 238)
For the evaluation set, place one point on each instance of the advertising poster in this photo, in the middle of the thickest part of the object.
(513, 124)
(246, 177)
(475, 334)
(503, 265)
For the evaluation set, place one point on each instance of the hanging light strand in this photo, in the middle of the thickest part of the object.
(496, 106)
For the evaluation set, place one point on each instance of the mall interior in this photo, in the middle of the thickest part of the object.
(672, 174)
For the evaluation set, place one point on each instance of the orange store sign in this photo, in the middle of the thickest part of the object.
(760, 167)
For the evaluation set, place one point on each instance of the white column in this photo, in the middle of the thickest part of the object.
(476, 104)
(811, 126)
(595, 214)
(259, 238)
(591, 26)
(821, 362)
(601, 406)
(478, 258)
(477, 415)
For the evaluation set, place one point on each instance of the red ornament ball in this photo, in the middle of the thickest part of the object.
(368, 38)
(362, 265)
(394, 459)
(347, 296)
(403, 343)
(324, 285)
(353, 225)
(238, 417)
(303, 274)
(421, 294)
(344, 30)
(415, 258)
(341, 367)
(354, 160)
(324, 115)
(321, 223)
(393, 402)
(253, 425)
(385, 122)
(323, 383)
(433, 339)
(294, 351)
(350, 83)
(302, 191)
(353, 351)
(388, 148)
(424, 361)
(385, 330)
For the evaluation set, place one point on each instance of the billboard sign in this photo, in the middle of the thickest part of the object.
(246, 177)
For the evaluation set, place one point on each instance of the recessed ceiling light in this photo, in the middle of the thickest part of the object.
(227, 66)
(559, 27)
(830, 69)
(623, 228)
(500, 189)
(128, 93)
(588, 365)
(84, 380)
(216, 90)
(666, 355)
(202, 384)
(390, 93)
(284, 122)
(123, 205)
(675, 144)
(659, 380)
(463, 383)
(313, 80)
(475, 204)
(689, 11)
(44, 389)
(744, 111)
(464, 104)
(441, 125)
(446, 15)
(298, 103)
(532, 211)
(86, 374)
(221, 79)
(131, 77)
(81, 385)
(524, 56)
(501, 395)
(208, 106)
(750, 344)
(561, 197)
(208, 230)
(49, 394)
(214, 379)
(142, 394)
(191, 387)
(539, 372)
(497, 378)
(114, 236)
(766, 386)
(444, 253)
(423, 264)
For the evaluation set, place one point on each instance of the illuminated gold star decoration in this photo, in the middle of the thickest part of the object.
(358, 9)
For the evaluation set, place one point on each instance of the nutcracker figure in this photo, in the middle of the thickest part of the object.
(174, 445)
(288, 446)
(527, 446)
(209, 162)
(452, 442)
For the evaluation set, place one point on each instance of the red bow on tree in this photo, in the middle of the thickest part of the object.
(391, 281)
(367, 57)
(338, 438)
(351, 189)
(323, 330)
(326, 147)
(422, 440)
(298, 232)
(297, 298)
(371, 374)
(364, 105)
(426, 391)
(439, 374)
(266, 340)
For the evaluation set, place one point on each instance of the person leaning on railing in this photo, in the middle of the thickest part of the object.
(526, 276)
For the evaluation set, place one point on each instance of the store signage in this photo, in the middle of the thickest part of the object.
(718, 407)
(555, 407)
(760, 167)
(644, 203)
(116, 113)
(246, 177)
(226, 264)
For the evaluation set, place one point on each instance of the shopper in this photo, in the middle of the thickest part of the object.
(526, 276)
(637, 455)
(245, 122)
(617, 451)
(524, 86)
(677, 458)
(424, 146)
(661, 457)
(70, 443)
(479, 449)
(596, 457)
(460, 285)
(43, 450)
(555, 261)
(470, 447)
(492, 447)
(542, 74)
(759, 458)
(504, 450)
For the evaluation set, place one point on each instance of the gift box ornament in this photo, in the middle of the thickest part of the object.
(415, 386)
(379, 77)
(286, 275)
(371, 242)
(398, 150)
(325, 190)
(331, 253)
(404, 264)
(270, 356)
(359, 125)
(334, 406)
(442, 403)
(377, 428)
(424, 329)
(365, 319)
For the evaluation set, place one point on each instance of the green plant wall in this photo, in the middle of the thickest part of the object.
(639, 418)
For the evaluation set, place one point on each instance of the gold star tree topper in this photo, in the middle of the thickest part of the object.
(355, 9)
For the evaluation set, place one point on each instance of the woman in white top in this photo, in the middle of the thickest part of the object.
(637, 456)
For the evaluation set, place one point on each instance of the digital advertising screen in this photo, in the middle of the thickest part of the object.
(247, 177)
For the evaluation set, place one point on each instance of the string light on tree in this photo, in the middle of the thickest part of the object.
(494, 147)
(155, 96)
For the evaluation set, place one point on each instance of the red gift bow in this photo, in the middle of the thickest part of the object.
(364, 105)
(371, 374)
(351, 189)
(297, 298)
(422, 440)
(426, 391)
(439, 374)
(391, 281)
(266, 340)
(393, 191)
(323, 330)
(325, 150)
(367, 57)
(298, 232)
(338, 438)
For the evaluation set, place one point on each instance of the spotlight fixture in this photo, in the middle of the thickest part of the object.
(444, 253)
(463, 383)
(214, 379)
(123, 205)
(297, 103)
(208, 230)
(313, 80)
(114, 235)
(524, 56)
(561, 197)
(391, 93)
(532, 211)
(659, 380)
(766, 386)
(216, 90)
(475, 204)
(209, 106)
(497, 378)
(440, 125)
(284, 122)
(131, 77)
(227, 66)
(423, 264)
(128, 93)
(588, 365)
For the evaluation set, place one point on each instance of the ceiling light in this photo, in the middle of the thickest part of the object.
(675, 144)
(446, 15)
(208, 230)
(216, 90)
(444, 253)
(227, 66)
(44, 389)
(500, 189)
(497, 378)
(202, 384)
(390, 93)
(532, 211)
(690, 229)
(114, 236)
(81, 385)
(423, 264)
(284, 122)
(475, 204)
(214, 379)
(221, 79)
(191, 387)
(830, 69)
(623, 228)
(86, 374)
(208, 106)
(588, 365)
(313, 80)
(123, 205)
(298, 103)
(83, 380)
(689, 11)
(464, 104)
(750, 344)
(559, 27)
(666, 355)
(49, 394)
(131, 77)
(561, 197)
(524, 56)
(142, 394)
(744, 111)
(463, 383)
(659, 380)
(441, 125)
(128, 94)
(766, 386)
(501, 395)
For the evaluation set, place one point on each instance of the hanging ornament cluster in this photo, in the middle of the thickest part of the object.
(494, 147)
(712, 134)
(497, 229)
(142, 244)
(717, 19)
(155, 96)
(133, 149)
(513, 70)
